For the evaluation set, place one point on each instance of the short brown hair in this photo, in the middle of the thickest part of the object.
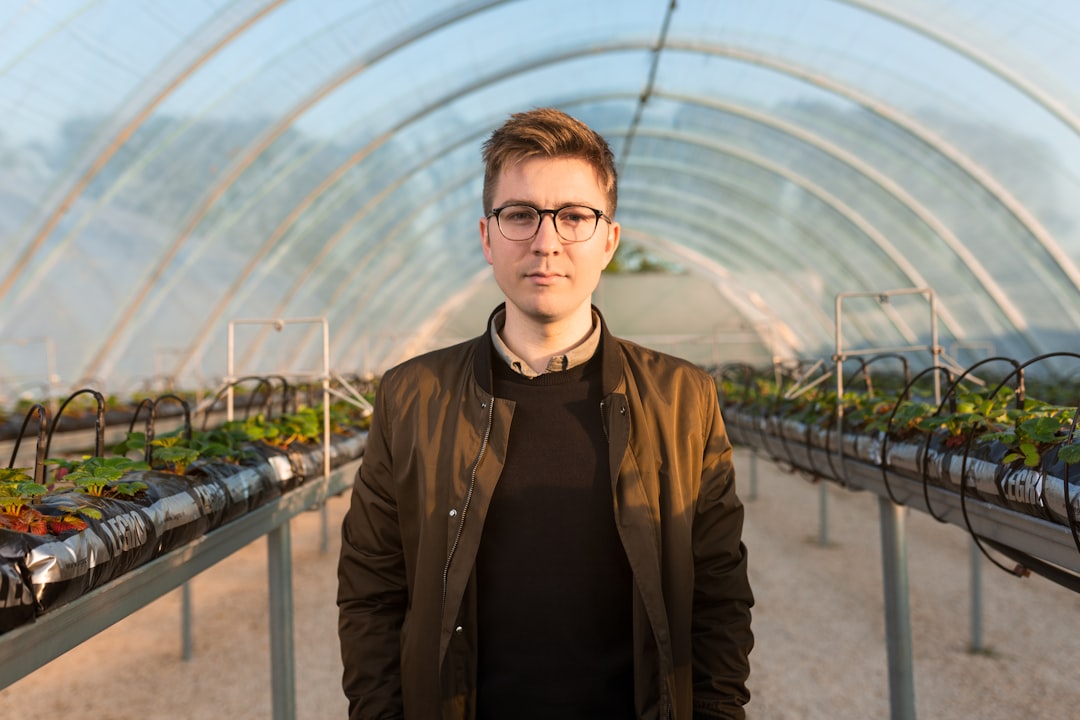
(547, 132)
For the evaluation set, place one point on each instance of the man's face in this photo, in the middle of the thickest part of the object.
(544, 280)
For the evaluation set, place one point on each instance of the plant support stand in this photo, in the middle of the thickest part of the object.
(282, 661)
(897, 609)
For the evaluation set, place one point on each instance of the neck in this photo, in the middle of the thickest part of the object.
(537, 342)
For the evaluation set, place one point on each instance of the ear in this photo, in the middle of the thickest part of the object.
(485, 240)
(612, 242)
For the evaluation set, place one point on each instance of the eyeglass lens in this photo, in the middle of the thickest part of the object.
(575, 223)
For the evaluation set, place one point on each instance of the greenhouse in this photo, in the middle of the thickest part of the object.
(222, 222)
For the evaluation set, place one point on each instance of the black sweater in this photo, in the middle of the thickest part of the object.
(554, 583)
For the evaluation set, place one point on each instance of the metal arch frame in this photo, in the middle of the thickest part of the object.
(701, 229)
(847, 212)
(714, 270)
(296, 212)
(927, 138)
(697, 259)
(264, 141)
(371, 298)
(858, 222)
(116, 139)
(337, 174)
(919, 210)
(339, 297)
(902, 197)
(818, 190)
(695, 171)
(260, 145)
(844, 268)
(928, 218)
(398, 183)
(923, 214)
(914, 129)
(418, 340)
(369, 290)
(347, 282)
(705, 250)
(384, 295)
(987, 62)
(340, 233)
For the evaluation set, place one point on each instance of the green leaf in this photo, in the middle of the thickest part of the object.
(1044, 428)
(1070, 454)
(135, 442)
(1031, 454)
(9, 475)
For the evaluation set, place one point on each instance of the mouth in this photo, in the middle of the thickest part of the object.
(543, 277)
(544, 273)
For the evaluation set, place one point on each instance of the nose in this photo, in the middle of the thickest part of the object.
(546, 240)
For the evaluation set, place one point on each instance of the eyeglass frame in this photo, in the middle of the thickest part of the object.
(600, 215)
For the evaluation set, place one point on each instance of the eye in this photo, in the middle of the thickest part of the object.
(518, 214)
(576, 215)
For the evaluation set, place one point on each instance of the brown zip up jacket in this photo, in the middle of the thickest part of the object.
(406, 586)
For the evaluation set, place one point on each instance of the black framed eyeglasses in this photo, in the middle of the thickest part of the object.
(573, 223)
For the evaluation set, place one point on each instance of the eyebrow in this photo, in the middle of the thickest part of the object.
(530, 203)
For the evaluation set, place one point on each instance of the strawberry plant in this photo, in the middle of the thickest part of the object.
(1028, 432)
(168, 453)
(18, 491)
(227, 444)
(304, 425)
(103, 477)
(172, 454)
(257, 427)
(1033, 434)
(67, 514)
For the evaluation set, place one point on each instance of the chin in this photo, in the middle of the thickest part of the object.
(548, 312)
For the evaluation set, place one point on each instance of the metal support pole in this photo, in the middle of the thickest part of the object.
(753, 475)
(186, 644)
(324, 528)
(823, 513)
(897, 609)
(976, 598)
(282, 661)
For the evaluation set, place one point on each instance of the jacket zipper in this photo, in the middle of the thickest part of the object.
(603, 421)
(666, 712)
(468, 499)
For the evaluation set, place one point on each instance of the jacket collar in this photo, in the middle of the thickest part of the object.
(610, 353)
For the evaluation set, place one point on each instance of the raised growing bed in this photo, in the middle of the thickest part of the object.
(100, 517)
(990, 459)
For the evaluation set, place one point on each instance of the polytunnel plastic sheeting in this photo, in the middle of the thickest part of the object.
(873, 188)
(166, 167)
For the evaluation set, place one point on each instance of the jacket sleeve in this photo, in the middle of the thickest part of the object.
(372, 590)
(722, 638)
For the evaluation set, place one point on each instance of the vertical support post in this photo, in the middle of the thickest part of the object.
(279, 542)
(823, 513)
(897, 609)
(324, 529)
(753, 475)
(282, 661)
(324, 519)
(976, 598)
(230, 360)
(186, 643)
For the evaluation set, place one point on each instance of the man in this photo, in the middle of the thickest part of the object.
(545, 524)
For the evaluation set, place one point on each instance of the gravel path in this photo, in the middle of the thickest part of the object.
(819, 623)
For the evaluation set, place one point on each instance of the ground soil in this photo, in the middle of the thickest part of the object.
(819, 622)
